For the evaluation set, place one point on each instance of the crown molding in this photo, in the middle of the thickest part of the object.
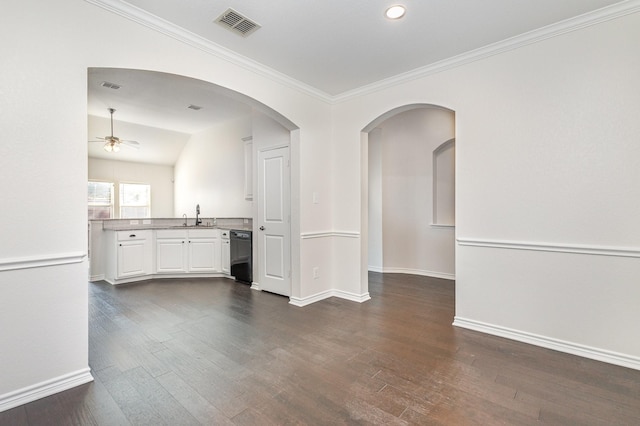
(167, 28)
(153, 22)
(568, 25)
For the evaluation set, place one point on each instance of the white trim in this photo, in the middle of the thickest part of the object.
(144, 277)
(441, 225)
(304, 301)
(559, 28)
(327, 234)
(44, 389)
(550, 343)
(153, 22)
(95, 278)
(421, 272)
(372, 268)
(354, 297)
(553, 247)
(176, 32)
(41, 261)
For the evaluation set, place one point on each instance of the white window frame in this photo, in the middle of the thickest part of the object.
(121, 204)
(94, 204)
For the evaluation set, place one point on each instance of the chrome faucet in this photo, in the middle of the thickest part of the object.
(185, 219)
(198, 221)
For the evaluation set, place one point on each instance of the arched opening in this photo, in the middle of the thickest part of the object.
(156, 96)
(408, 192)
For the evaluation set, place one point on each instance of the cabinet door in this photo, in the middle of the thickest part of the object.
(204, 255)
(131, 258)
(170, 255)
(226, 257)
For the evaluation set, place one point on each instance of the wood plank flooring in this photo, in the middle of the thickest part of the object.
(215, 352)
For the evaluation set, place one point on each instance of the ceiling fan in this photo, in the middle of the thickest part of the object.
(112, 143)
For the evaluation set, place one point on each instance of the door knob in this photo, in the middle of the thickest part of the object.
(262, 228)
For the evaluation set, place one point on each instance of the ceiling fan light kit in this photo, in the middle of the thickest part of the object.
(112, 143)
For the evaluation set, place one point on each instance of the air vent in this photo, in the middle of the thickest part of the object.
(110, 85)
(194, 107)
(237, 23)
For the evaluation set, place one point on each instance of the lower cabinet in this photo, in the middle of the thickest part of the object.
(226, 256)
(187, 251)
(133, 255)
(171, 252)
(204, 254)
(141, 254)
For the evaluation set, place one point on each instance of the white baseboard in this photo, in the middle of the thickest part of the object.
(44, 389)
(354, 297)
(551, 343)
(420, 272)
(304, 301)
(95, 278)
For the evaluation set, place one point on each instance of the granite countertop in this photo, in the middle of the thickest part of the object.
(207, 223)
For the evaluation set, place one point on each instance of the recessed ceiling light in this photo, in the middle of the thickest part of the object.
(395, 12)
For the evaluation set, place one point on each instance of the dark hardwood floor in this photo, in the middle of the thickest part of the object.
(212, 351)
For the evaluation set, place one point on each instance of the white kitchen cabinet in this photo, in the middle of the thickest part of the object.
(181, 251)
(203, 250)
(143, 254)
(132, 252)
(171, 251)
(226, 252)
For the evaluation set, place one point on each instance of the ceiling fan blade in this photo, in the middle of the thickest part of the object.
(130, 144)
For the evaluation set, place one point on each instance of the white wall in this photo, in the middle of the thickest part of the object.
(547, 199)
(159, 177)
(210, 172)
(411, 243)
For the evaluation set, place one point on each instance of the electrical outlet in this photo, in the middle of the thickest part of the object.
(316, 273)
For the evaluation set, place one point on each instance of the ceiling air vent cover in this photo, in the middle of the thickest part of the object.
(237, 23)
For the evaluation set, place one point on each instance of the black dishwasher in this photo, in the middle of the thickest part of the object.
(241, 255)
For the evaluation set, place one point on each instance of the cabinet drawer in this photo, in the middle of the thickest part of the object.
(133, 235)
(224, 234)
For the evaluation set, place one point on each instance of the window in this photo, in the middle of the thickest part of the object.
(135, 200)
(100, 196)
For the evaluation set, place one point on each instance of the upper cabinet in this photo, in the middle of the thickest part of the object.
(248, 167)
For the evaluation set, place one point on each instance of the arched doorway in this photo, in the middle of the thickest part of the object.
(143, 90)
(408, 198)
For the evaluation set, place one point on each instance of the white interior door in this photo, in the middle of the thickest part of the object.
(273, 227)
